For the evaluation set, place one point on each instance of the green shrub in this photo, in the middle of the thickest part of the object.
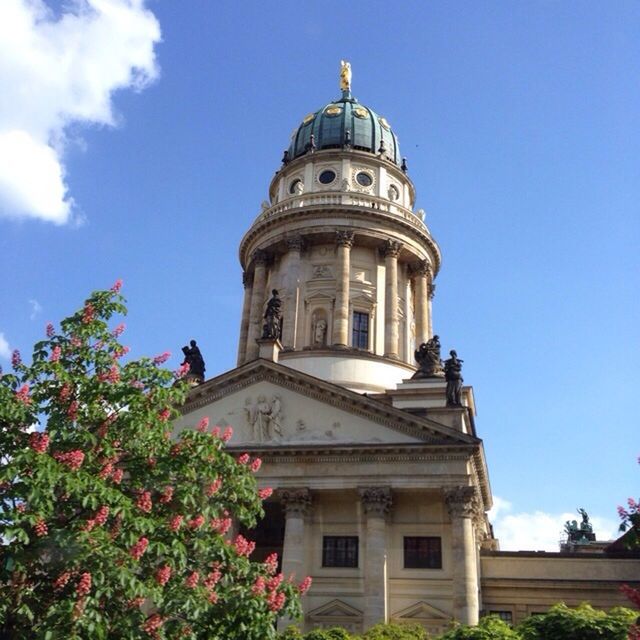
(336, 633)
(489, 628)
(580, 623)
(395, 631)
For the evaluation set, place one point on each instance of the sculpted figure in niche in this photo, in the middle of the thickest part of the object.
(298, 188)
(264, 418)
(319, 330)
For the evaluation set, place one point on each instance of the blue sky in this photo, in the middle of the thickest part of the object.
(520, 122)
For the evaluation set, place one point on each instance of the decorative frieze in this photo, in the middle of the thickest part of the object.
(462, 501)
(295, 501)
(376, 500)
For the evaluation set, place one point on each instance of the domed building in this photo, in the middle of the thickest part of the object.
(381, 484)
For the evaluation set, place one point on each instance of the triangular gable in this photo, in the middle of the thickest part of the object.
(421, 612)
(334, 610)
(328, 394)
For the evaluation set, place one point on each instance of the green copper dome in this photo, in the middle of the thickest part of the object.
(342, 124)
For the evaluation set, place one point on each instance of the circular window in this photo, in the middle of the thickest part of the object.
(364, 179)
(293, 187)
(394, 194)
(327, 176)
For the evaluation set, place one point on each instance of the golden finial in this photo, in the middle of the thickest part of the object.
(345, 75)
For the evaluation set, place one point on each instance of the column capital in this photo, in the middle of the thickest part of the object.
(431, 290)
(295, 242)
(295, 501)
(259, 256)
(462, 501)
(391, 248)
(344, 238)
(422, 268)
(376, 500)
(246, 279)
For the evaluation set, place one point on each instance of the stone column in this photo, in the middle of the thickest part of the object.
(344, 240)
(376, 502)
(431, 291)
(391, 250)
(421, 277)
(290, 319)
(257, 303)
(462, 503)
(246, 312)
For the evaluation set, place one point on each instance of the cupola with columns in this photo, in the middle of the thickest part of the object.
(352, 261)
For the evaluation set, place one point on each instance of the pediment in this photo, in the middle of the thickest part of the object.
(421, 611)
(269, 404)
(335, 609)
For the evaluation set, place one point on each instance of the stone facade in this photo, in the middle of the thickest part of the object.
(381, 489)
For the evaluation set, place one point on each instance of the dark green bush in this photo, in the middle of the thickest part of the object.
(394, 631)
(489, 628)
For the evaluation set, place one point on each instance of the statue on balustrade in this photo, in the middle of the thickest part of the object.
(428, 358)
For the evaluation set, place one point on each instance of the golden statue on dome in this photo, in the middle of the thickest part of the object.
(345, 75)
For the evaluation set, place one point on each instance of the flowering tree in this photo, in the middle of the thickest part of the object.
(630, 517)
(110, 527)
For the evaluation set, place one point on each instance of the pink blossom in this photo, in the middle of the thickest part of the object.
(102, 515)
(265, 493)
(65, 392)
(175, 522)
(162, 358)
(243, 546)
(117, 285)
(221, 525)
(271, 563)
(167, 495)
(305, 585)
(113, 375)
(181, 371)
(117, 476)
(16, 360)
(119, 330)
(197, 522)
(56, 352)
(633, 505)
(88, 313)
(72, 459)
(40, 528)
(152, 624)
(50, 330)
(22, 395)
(84, 584)
(163, 574)
(258, 586)
(214, 487)
(212, 597)
(120, 351)
(215, 432)
(276, 600)
(275, 582)
(144, 501)
(39, 442)
(164, 415)
(213, 578)
(139, 548)
(203, 424)
(61, 581)
(227, 435)
(192, 580)
(255, 465)
(244, 458)
(72, 411)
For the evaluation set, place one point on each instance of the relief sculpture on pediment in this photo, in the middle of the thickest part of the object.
(264, 418)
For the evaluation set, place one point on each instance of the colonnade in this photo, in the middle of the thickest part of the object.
(255, 296)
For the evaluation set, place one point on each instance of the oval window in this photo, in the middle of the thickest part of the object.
(327, 177)
(364, 179)
(293, 187)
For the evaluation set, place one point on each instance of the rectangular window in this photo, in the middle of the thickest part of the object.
(340, 551)
(360, 330)
(422, 553)
(507, 616)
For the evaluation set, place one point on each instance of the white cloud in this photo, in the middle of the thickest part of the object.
(537, 530)
(5, 349)
(36, 309)
(55, 71)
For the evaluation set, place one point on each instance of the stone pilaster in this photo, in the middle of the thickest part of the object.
(391, 251)
(431, 291)
(421, 278)
(344, 240)
(376, 503)
(246, 313)
(463, 505)
(289, 321)
(257, 302)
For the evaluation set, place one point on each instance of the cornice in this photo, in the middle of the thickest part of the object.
(304, 384)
